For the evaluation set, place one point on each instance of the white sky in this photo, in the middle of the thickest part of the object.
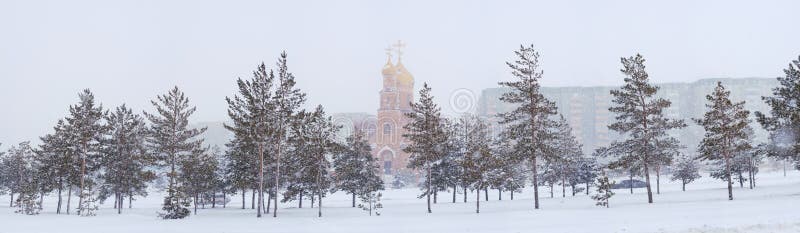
(131, 51)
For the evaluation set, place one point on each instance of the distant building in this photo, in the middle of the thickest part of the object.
(385, 130)
(586, 108)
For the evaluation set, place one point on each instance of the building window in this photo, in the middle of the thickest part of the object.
(387, 167)
(387, 129)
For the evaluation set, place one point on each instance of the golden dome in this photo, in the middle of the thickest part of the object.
(389, 69)
(403, 76)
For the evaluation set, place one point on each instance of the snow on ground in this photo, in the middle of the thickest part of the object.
(771, 207)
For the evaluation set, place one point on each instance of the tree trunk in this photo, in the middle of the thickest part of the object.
(319, 205)
(486, 193)
(428, 193)
(647, 182)
(435, 196)
(277, 175)
(730, 176)
(658, 179)
(313, 199)
(478, 201)
(253, 200)
(454, 193)
(224, 199)
(213, 199)
(512, 194)
(684, 185)
(354, 199)
(69, 197)
(243, 204)
(58, 209)
(83, 174)
(195, 204)
(260, 178)
(300, 204)
(11, 203)
(121, 198)
(587, 188)
(563, 187)
(499, 194)
(551, 191)
(465, 194)
(269, 200)
(535, 185)
(631, 182)
(130, 200)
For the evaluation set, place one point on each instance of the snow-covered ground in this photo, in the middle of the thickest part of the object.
(771, 207)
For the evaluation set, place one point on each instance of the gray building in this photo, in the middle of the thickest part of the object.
(586, 108)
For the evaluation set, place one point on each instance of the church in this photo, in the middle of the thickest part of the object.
(384, 128)
(395, 100)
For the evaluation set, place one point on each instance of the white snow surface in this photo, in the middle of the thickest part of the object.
(771, 207)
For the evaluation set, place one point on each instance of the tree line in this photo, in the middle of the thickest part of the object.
(281, 152)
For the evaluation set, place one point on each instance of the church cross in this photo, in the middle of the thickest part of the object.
(399, 46)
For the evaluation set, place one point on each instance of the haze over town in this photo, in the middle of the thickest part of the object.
(131, 51)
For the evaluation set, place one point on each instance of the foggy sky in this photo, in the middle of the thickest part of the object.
(131, 51)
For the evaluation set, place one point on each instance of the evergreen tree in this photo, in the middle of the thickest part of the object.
(250, 112)
(604, 191)
(87, 129)
(427, 138)
(783, 121)
(59, 164)
(527, 124)
(197, 175)
(356, 169)
(125, 158)
(286, 100)
(479, 160)
(685, 170)
(20, 168)
(371, 203)
(568, 150)
(640, 119)
(586, 172)
(725, 124)
(172, 141)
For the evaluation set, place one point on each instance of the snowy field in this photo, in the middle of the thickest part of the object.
(771, 207)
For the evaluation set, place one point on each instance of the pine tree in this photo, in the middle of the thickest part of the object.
(586, 172)
(640, 119)
(371, 202)
(604, 191)
(250, 112)
(356, 169)
(567, 150)
(172, 141)
(20, 168)
(528, 123)
(783, 121)
(125, 157)
(59, 167)
(725, 124)
(86, 128)
(287, 99)
(197, 175)
(314, 135)
(427, 138)
(685, 170)
(479, 160)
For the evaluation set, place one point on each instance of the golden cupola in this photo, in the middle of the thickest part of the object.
(404, 78)
(389, 69)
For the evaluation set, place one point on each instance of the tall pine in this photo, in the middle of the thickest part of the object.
(725, 123)
(426, 136)
(172, 141)
(527, 124)
(641, 122)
